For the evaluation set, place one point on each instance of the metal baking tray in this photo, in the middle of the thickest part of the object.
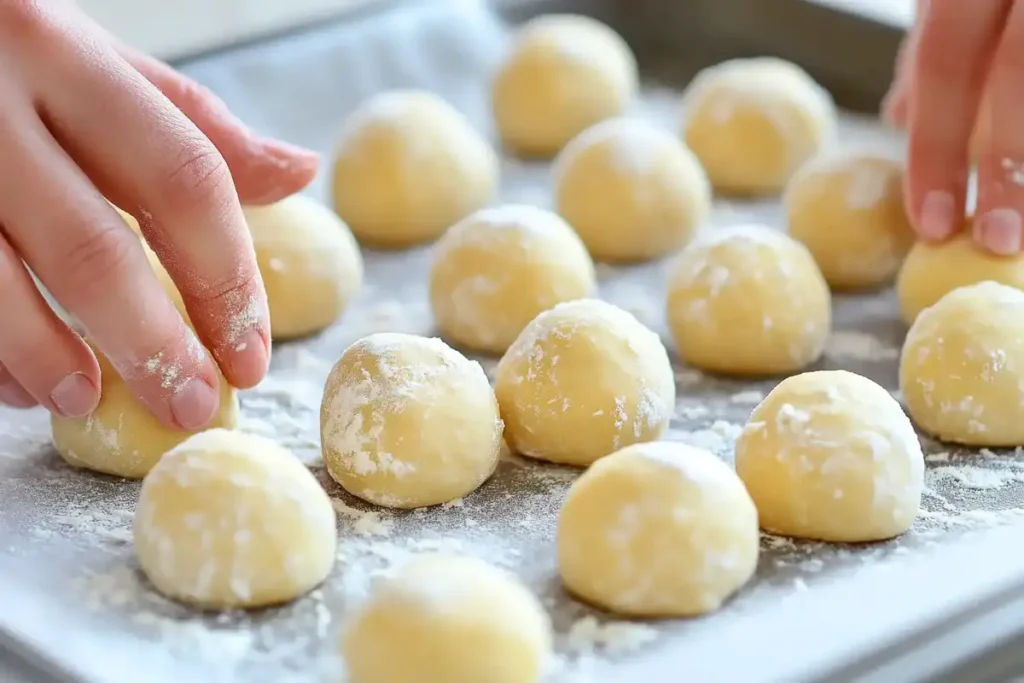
(943, 602)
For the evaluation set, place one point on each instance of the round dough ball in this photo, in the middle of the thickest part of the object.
(848, 210)
(310, 263)
(962, 367)
(932, 270)
(748, 300)
(494, 271)
(408, 166)
(633, 192)
(753, 122)
(121, 436)
(657, 530)
(564, 74)
(228, 519)
(584, 379)
(458, 620)
(830, 456)
(408, 422)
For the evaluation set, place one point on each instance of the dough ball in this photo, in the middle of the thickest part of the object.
(585, 378)
(494, 271)
(408, 422)
(408, 166)
(228, 519)
(753, 122)
(748, 300)
(830, 456)
(564, 74)
(455, 619)
(165, 281)
(657, 530)
(121, 436)
(632, 191)
(962, 367)
(310, 263)
(932, 270)
(848, 210)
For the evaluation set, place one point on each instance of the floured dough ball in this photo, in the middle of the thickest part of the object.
(408, 166)
(748, 300)
(932, 270)
(121, 436)
(494, 271)
(848, 210)
(830, 456)
(457, 620)
(584, 379)
(657, 530)
(564, 74)
(632, 191)
(310, 263)
(962, 367)
(228, 519)
(753, 122)
(408, 422)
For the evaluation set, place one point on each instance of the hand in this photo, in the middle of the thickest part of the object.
(959, 74)
(85, 119)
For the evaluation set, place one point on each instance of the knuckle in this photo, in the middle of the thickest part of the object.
(199, 174)
(23, 17)
(88, 263)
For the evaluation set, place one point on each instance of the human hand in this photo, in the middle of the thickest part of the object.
(85, 119)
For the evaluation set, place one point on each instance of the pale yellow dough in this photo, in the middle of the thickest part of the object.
(584, 379)
(564, 74)
(494, 271)
(657, 530)
(632, 191)
(453, 620)
(830, 456)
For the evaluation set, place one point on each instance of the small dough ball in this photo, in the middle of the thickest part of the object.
(494, 271)
(932, 270)
(848, 210)
(564, 74)
(962, 367)
(753, 122)
(228, 519)
(633, 192)
(748, 300)
(310, 263)
(584, 379)
(657, 530)
(457, 620)
(121, 437)
(830, 456)
(408, 166)
(408, 422)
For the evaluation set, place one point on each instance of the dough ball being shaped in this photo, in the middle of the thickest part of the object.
(848, 210)
(408, 166)
(121, 437)
(494, 271)
(633, 192)
(310, 263)
(165, 281)
(830, 456)
(754, 122)
(932, 270)
(408, 422)
(584, 379)
(228, 519)
(962, 366)
(564, 74)
(657, 530)
(458, 620)
(748, 300)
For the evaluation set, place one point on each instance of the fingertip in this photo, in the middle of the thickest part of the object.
(999, 231)
(274, 170)
(245, 361)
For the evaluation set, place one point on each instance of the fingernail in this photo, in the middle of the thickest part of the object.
(938, 215)
(250, 356)
(999, 231)
(12, 394)
(194, 404)
(75, 396)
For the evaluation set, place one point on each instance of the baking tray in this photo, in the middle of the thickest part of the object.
(928, 606)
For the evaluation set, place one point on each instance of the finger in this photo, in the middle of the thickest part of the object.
(13, 394)
(894, 106)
